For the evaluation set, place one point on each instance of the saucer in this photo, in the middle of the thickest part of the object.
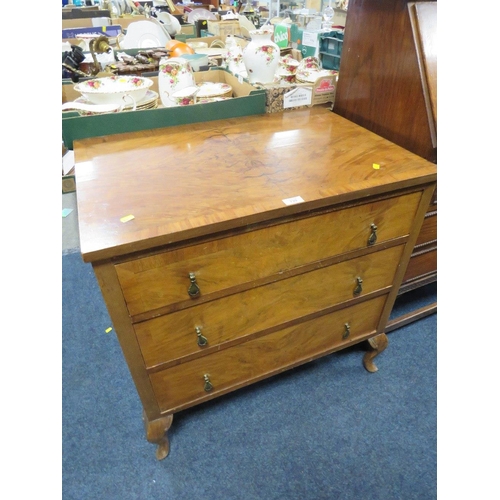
(149, 101)
(312, 76)
(211, 89)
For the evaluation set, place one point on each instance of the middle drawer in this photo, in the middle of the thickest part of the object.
(195, 329)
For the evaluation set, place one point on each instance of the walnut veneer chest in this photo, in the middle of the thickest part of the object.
(231, 250)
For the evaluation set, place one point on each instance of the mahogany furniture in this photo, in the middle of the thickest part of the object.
(388, 84)
(232, 250)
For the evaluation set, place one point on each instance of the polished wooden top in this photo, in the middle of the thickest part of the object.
(191, 180)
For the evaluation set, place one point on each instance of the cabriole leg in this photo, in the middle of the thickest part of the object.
(378, 344)
(156, 433)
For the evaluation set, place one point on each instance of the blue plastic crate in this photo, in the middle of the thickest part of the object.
(331, 45)
(329, 61)
(330, 49)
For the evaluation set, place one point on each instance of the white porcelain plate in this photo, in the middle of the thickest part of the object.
(211, 89)
(310, 76)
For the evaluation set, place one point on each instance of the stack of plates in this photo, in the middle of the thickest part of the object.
(149, 101)
(211, 89)
(310, 76)
(309, 70)
(204, 100)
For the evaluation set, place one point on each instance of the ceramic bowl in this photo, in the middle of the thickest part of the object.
(196, 60)
(181, 48)
(197, 45)
(113, 89)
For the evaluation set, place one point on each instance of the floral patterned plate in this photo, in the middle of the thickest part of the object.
(211, 89)
(150, 101)
(306, 76)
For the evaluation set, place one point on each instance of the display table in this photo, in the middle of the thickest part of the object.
(229, 251)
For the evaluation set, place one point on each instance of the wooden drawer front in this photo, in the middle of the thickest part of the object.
(183, 385)
(433, 203)
(428, 232)
(173, 336)
(156, 281)
(421, 264)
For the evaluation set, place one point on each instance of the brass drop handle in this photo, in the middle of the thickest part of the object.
(347, 331)
(202, 340)
(208, 386)
(373, 236)
(359, 286)
(194, 289)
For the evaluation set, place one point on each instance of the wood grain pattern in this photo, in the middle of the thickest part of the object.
(183, 385)
(426, 16)
(152, 282)
(380, 84)
(407, 253)
(277, 280)
(421, 264)
(115, 304)
(428, 233)
(173, 336)
(189, 181)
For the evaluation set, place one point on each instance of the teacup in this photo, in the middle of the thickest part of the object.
(287, 65)
(184, 97)
(285, 78)
(309, 63)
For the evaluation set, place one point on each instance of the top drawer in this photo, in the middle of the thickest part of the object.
(160, 280)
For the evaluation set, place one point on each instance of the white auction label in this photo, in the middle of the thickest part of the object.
(300, 96)
(293, 201)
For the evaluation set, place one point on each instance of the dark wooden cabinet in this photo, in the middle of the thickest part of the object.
(388, 84)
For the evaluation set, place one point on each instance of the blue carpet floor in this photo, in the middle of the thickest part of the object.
(326, 430)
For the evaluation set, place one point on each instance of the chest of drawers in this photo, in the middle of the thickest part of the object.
(232, 250)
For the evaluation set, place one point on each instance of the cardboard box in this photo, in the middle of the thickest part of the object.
(248, 100)
(224, 28)
(188, 29)
(77, 23)
(283, 97)
(310, 43)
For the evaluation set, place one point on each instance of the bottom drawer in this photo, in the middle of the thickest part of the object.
(183, 385)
